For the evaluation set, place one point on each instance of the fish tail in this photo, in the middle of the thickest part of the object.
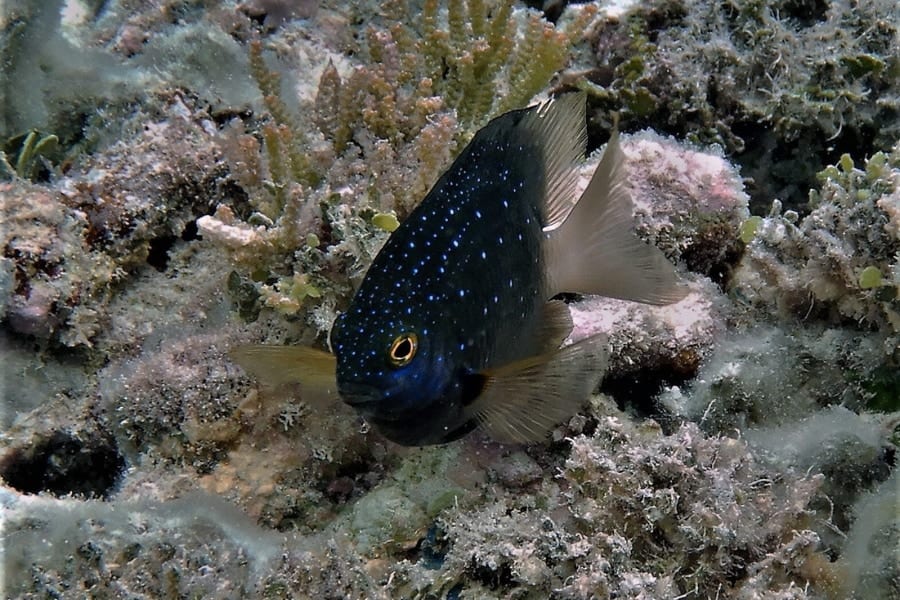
(595, 250)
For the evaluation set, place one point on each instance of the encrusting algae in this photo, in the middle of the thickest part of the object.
(455, 325)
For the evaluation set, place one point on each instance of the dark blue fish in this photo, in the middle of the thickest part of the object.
(453, 326)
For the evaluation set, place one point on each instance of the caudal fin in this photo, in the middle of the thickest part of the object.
(595, 250)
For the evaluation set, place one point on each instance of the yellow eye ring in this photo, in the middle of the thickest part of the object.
(403, 349)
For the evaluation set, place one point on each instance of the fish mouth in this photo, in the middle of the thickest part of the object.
(372, 403)
(359, 394)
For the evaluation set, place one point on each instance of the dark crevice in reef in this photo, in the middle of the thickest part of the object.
(351, 479)
(190, 231)
(63, 464)
(805, 13)
(430, 550)
(714, 252)
(158, 255)
(637, 391)
(552, 9)
(497, 578)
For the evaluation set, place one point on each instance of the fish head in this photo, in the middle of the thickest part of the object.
(390, 371)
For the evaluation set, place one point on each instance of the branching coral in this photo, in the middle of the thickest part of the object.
(473, 58)
(324, 186)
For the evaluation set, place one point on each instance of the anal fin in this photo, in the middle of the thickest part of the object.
(523, 400)
(555, 325)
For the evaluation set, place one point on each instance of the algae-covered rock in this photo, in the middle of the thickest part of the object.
(782, 86)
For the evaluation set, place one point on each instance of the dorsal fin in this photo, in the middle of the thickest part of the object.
(559, 129)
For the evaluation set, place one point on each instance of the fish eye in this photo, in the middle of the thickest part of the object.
(403, 349)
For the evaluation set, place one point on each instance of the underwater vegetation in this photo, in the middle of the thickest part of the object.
(784, 86)
(380, 135)
(181, 177)
(840, 261)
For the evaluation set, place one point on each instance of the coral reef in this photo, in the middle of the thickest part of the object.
(381, 133)
(690, 203)
(67, 248)
(644, 514)
(840, 262)
(692, 206)
(783, 86)
(222, 173)
(629, 510)
(874, 572)
(51, 82)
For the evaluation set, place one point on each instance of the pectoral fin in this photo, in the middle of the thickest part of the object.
(522, 401)
(313, 370)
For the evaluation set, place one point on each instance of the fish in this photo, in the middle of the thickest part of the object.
(456, 325)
